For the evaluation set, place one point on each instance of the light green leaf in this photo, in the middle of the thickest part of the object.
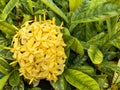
(8, 29)
(14, 79)
(74, 4)
(53, 7)
(95, 54)
(3, 81)
(8, 8)
(61, 83)
(80, 80)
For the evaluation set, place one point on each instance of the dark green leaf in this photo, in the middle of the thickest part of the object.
(80, 80)
(4, 63)
(111, 66)
(53, 7)
(36, 88)
(61, 84)
(8, 29)
(14, 78)
(93, 11)
(6, 54)
(8, 8)
(28, 5)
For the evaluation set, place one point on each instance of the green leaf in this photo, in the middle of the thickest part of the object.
(111, 66)
(3, 81)
(77, 47)
(36, 88)
(95, 54)
(8, 8)
(74, 44)
(20, 86)
(28, 5)
(115, 39)
(4, 63)
(14, 79)
(80, 80)
(6, 54)
(3, 70)
(53, 7)
(8, 29)
(93, 10)
(61, 83)
(85, 69)
(116, 42)
(97, 39)
(76, 4)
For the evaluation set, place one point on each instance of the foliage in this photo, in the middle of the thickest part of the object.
(92, 35)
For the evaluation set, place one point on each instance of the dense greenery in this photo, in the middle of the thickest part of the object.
(91, 32)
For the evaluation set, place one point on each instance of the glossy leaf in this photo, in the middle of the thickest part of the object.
(53, 7)
(77, 47)
(3, 81)
(74, 44)
(20, 86)
(85, 69)
(14, 78)
(80, 80)
(95, 54)
(61, 83)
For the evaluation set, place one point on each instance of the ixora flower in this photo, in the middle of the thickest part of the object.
(38, 47)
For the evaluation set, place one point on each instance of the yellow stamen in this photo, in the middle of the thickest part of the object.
(31, 80)
(53, 20)
(44, 17)
(40, 19)
(61, 24)
(35, 18)
(14, 62)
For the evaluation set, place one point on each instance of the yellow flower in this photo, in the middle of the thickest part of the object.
(39, 50)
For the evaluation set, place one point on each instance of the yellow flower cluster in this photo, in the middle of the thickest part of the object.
(39, 50)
